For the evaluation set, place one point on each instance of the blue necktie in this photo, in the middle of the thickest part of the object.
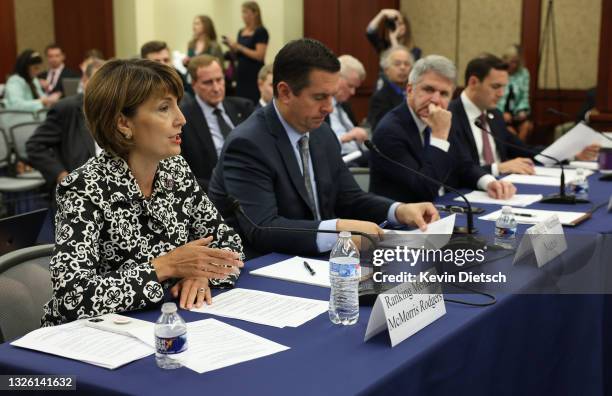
(426, 137)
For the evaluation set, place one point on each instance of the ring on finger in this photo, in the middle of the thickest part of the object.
(202, 290)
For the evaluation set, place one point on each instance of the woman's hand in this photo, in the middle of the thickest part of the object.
(193, 291)
(196, 260)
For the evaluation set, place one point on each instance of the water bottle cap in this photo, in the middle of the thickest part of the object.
(506, 209)
(345, 234)
(168, 308)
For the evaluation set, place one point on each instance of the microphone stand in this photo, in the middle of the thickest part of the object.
(562, 197)
(469, 239)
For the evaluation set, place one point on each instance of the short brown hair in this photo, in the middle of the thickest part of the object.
(152, 47)
(200, 61)
(120, 87)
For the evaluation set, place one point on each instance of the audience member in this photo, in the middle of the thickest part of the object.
(57, 70)
(342, 120)
(416, 134)
(62, 142)
(396, 63)
(264, 83)
(515, 102)
(204, 41)
(486, 78)
(283, 165)
(210, 117)
(395, 31)
(90, 56)
(133, 221)
(158, 51)
(23, 90)
(250, 48)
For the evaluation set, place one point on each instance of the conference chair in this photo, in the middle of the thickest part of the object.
(13, 190)
(25, 286)
(19, 135)
(362, 177)
(8, 118)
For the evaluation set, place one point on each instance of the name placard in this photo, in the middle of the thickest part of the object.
(406, 309)
(546, 240)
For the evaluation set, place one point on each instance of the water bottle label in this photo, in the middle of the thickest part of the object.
(504, 232)
(580, 189)
(344, 270)
(171, 346)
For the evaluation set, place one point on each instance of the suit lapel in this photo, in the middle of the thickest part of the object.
(287, 153)
(323, 178)
(201, 129)
(232, 112)
(413, 134)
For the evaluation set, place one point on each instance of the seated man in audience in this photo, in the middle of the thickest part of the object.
(264, 83)
(51, 80)
(284, 166)
(342, 120)
(158, 51)
(485, 80)
(210, 117)
(416, 134)
(62, 142)
(396, 63)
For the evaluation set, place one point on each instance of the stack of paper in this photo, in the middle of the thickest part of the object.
(77, 341)
(212, 345)
(536, 216)
(516, 200)
(293, 270)
(591, 165)
(437, 235)
(265, 308)
(570, 144)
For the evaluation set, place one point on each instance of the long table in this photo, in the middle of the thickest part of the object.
(524, 344)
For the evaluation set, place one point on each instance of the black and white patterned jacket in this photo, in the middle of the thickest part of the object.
(107, 233)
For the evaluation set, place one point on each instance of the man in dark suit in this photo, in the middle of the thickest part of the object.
(158, 51)
(264, 83)
(284, 166)
(416, 134)
(51, 80)
(63, 142)
(342, 119)
(396, 63)
(210, 117)
(485, 80)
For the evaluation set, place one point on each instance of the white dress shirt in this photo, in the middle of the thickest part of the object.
(213, 125)
(338, 119)
(473, 113)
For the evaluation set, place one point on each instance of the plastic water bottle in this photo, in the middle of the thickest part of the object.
(344, 274)
(170, 337)
(580, 186)
(505, 229)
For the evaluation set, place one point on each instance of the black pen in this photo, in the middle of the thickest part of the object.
(523, 214)
(309, 268)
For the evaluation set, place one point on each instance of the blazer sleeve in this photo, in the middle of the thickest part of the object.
(16, 96)
(41, 146)
(79, 288)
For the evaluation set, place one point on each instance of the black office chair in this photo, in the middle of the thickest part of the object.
(25, 286)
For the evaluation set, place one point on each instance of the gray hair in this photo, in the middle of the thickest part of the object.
(348, 63)
(435, 63)
(385, 61)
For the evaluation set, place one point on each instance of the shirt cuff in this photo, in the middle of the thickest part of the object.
(391, 213)
(326, 241)
(439, 143)
(494, 169)
(484, 181)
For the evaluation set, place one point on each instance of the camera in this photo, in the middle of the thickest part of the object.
(390, 24)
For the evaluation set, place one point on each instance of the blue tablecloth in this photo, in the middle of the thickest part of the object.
(524, 344)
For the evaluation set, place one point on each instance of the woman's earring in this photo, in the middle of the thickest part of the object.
(127, 135)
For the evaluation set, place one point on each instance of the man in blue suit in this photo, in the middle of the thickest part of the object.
(416, 134)
(283, 165)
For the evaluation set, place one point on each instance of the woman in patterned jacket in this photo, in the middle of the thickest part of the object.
(133, 221)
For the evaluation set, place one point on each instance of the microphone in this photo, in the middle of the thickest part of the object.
(470, 214)
(235, 207)
(562, 197)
